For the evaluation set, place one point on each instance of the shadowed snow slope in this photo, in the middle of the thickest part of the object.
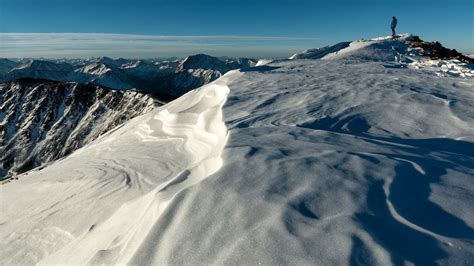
(331, 163)
(336, 162)
(327, 162)
(99, 204)
(320, 52)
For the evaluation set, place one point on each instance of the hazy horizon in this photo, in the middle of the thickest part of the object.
(247, 28)
(136, 46)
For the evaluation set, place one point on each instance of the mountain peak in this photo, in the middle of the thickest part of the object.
(406, 49)
(201, 61)
(110, 62)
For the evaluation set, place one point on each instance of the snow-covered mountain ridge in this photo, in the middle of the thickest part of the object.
(41, 121)
(345, 161)
(161, 77)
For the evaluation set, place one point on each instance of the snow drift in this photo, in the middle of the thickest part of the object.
(120, 184)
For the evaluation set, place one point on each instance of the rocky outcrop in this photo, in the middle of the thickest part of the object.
(436, 50)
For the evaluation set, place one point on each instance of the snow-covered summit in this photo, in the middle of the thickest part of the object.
(377, 49)
(95, 69)
(406, 51)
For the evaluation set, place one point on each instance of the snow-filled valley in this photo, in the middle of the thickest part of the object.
(338, 156)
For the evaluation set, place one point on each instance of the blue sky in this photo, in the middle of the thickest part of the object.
(258, 28)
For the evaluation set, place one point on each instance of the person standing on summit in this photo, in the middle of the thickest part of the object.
(393, 26)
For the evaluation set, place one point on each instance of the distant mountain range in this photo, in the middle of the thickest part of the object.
(169, 78)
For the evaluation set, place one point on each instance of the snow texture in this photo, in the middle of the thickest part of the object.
(100, 204)
(352, 160)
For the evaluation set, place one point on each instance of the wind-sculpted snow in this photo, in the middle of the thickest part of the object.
(100, 204)
(330, 163)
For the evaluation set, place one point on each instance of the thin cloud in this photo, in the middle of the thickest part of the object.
(132, 45)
